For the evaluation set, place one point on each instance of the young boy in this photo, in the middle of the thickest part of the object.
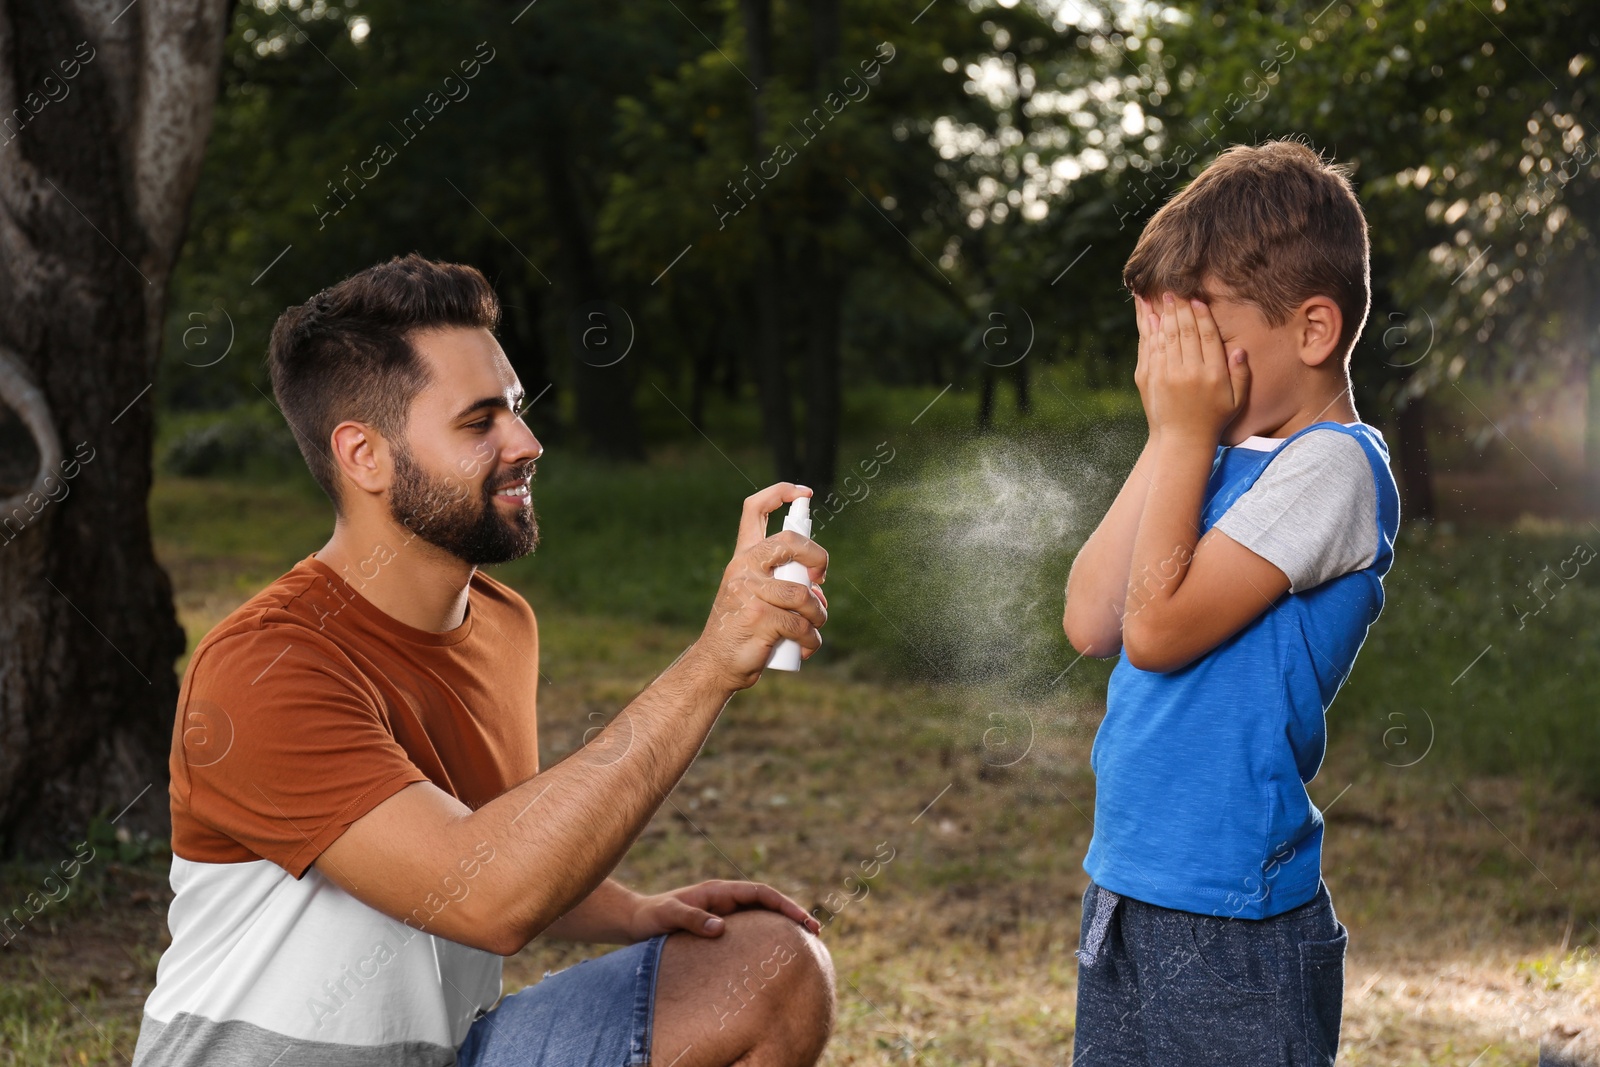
(1237, 573)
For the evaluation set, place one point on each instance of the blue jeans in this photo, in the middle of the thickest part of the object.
(596, 1013)
(1158, 987)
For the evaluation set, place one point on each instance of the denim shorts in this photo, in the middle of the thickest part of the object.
(596, 1013)
(1158, 987)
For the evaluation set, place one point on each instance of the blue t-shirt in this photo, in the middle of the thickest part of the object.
(1200, 800)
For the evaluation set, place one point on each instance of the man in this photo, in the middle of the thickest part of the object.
(360, 827)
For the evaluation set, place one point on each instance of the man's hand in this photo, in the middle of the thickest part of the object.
(699, 908)
(557, 835)
(1192, 388)
(754, 610)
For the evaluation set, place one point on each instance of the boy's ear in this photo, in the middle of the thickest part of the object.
(1320, 323)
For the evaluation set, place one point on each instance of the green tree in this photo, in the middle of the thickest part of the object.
(1474, 164)
(103, 125)
(479, 132)
(868, 183)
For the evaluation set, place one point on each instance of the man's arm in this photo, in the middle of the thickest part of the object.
(1184, 599)
(539, 849)
(615, 915)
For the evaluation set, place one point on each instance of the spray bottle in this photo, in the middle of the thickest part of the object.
(786, 653)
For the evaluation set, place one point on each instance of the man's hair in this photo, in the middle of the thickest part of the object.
(1275, 223)
(346, 353)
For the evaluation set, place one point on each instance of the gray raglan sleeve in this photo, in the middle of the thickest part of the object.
(1313, 511)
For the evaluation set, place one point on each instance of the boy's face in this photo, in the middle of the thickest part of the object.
(1275, 355)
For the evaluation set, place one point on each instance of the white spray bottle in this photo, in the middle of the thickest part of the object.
(786, 653)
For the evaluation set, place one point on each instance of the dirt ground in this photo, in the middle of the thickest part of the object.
(1466, 900)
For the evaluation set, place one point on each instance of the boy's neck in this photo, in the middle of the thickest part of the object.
(1332, 402)
(1342, 408)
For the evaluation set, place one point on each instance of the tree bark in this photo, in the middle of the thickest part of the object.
(522, 337)
(767, 351)
(819, 263)
(986, 400)
(1416, 472)
(1021, 380)
(1591, 424)
(95, 187)
(822, 387)
(607, 421)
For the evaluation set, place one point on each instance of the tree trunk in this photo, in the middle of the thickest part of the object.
(522, 337)
(825, 35)
(602, 377)
(1416, 473)
(95, 188)
(986, 400)
(1591, 426)
(701, 331)
(767, 352)
(771, 373)
(822, 389)
(1020, 379)
(822, 267)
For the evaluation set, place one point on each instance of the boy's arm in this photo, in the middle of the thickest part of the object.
(1098, 582)
(1183, 598)
(1097, 585)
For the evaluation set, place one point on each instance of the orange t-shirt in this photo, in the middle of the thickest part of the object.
(300, 712)
(308, 706)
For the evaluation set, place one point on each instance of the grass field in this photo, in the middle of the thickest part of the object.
(946, 717)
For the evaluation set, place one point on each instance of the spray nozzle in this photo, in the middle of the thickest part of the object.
(799, 517)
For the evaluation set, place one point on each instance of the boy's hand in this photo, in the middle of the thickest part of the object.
(1149, 329)
(1194, 388)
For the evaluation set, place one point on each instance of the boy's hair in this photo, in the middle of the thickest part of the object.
(346, 353)
(1275, 223)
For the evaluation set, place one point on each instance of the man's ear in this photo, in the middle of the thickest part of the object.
(362, 455)
(1321, 322)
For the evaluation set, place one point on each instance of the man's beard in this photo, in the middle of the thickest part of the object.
(447, 512)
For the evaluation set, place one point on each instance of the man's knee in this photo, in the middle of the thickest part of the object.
(783, 968)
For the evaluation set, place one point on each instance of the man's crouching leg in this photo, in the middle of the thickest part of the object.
(761, 995)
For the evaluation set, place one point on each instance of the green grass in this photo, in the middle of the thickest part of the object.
(39, 1024)
(949, 564)
(1528, 706)
(941, 682)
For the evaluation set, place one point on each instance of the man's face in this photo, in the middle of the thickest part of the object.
(462, 476)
